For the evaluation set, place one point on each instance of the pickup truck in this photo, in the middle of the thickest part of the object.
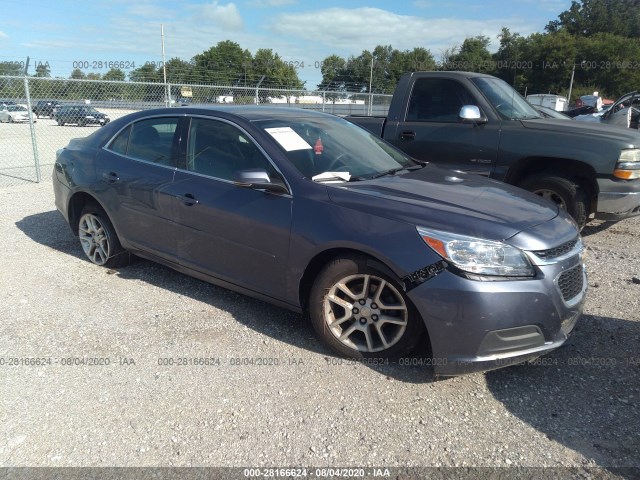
(478, 123)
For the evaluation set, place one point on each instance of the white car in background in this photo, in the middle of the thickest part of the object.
(14, 113)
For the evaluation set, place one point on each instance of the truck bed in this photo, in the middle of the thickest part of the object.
(374, 124)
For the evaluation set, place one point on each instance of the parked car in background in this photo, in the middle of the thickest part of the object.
(625, 112)
(81, 115)
(583, 110)
(45, 108)
(554, 102)
(547, 112)
(14, 113)
(313, 213)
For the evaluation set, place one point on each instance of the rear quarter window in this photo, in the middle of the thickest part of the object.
(151, 140)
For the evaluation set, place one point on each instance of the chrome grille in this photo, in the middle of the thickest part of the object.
(571, 282)
(556, 251)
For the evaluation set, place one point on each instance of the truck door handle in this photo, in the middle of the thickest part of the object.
(408, 135)
(189, 199)
(111, 177)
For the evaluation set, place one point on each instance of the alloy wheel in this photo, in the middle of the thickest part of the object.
(93, 239)
(365, 312)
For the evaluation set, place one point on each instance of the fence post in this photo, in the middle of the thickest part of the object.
(167, 95)
(34, 143)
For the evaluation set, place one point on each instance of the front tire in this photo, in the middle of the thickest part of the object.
(564, 192)
(99, 240)
(360, 312)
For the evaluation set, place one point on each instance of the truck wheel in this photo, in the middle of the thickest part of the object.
(360, 312)
(565, 193)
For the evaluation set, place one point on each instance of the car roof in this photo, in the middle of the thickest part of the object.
(247, 112)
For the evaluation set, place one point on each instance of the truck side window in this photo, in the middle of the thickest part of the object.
(437, 100)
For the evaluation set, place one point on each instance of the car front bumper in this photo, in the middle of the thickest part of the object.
(482, 325)
(618, 199)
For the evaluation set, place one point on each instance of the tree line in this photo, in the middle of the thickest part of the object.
(598, 41)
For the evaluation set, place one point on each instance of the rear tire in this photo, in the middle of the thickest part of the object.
(360, 312)
(564, 192)
(99, 240)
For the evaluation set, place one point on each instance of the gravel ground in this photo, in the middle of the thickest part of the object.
(578, 407)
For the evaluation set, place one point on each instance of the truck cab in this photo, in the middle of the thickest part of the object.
(479, 124)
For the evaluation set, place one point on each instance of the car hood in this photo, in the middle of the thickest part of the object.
(593, 129)
(447, 200)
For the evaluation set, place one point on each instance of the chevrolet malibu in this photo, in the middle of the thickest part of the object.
(312, 213)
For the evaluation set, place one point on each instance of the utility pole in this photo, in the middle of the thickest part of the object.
(167, 93)
(370, 83)
(573, 71)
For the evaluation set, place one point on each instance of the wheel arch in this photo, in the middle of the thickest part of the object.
(322, 258)
(76, 203)
(580, 172)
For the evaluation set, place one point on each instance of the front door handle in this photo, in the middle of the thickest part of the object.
(408, 135)
(189, 199)
(111, 177)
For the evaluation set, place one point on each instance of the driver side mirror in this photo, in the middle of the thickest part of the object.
(258, 179)
(472, 114)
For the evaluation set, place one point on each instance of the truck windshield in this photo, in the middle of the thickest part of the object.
(509, 104)
(332, 149)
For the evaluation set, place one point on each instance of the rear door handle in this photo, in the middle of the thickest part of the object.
(111, 177)
(189, 199)
(408, 135)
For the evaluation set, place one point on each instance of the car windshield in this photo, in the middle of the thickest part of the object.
(509, 103)
(332, 149)
(90, 110)
(16, 108)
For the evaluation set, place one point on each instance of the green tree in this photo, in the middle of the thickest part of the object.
(334, 74)
(277, 72)
(77, 74)
(473, 56)
(11, 69)
(43, 70)
(226, 63)
(146, 73)
(510, 61)
(552, 57)
(418, 60)
(589, 17)
(115, 74)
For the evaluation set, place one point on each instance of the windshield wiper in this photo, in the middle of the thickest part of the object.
(393, 171)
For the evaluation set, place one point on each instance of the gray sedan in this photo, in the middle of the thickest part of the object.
(315, 214)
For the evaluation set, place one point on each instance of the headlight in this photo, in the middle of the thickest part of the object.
(628, 166)
(477, 255)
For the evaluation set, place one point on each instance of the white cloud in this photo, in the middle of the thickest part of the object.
(271, 3)
(226, 16)
(3, 35)
(354, 30)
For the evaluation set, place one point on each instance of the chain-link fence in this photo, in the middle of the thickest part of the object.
(41, 115)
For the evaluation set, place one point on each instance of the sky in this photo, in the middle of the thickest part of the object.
(65, 34)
